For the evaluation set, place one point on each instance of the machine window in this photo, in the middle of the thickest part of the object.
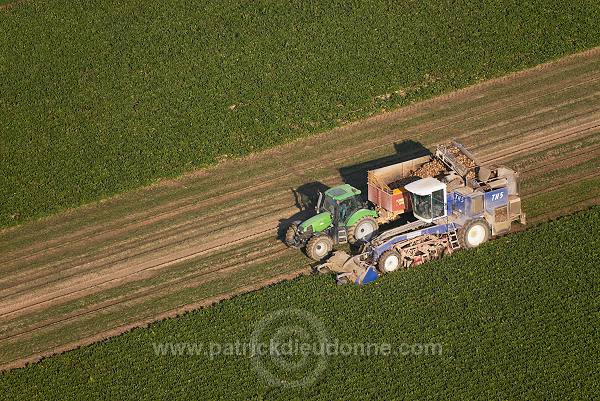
(348, 207)
(421, 205)
(328, 205)
(437, 203)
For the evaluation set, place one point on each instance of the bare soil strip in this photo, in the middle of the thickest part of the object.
(99, 270)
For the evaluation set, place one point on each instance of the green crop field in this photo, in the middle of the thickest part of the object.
(98, 97)
(513, 319)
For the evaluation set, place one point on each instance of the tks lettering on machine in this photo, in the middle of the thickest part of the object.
(447, 200)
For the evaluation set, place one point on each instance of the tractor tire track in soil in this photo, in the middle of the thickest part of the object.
(69, 279)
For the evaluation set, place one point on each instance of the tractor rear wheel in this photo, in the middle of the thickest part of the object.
(390, 261)
(319, 246)
(474, 233)
(363, 230)
(290, 234)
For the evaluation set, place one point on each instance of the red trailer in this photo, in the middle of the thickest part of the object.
(386, 187)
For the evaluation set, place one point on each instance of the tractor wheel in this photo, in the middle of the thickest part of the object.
(319, 246)
(390, 261)
(474, 233)
(363, 230)
(290, 234)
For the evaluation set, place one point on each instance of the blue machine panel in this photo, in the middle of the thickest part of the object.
(495, 198)
(369, 276)
(460, 202)
(449, 203)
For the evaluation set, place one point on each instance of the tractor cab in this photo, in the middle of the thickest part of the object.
(341, 202)
(428, 198)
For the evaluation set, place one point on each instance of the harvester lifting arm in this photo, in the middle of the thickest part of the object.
(451, 154)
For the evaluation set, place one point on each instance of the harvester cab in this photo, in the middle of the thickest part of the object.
(341, 216)
(428, 199)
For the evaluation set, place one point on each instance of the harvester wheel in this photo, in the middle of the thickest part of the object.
(474, 233)
(390, 261)
(319, 246)
(363, 230)
(290, 234)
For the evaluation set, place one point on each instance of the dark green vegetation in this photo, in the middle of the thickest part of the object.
(517, 318)
(102, 96)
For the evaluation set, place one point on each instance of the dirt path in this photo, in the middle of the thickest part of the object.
(98, 270)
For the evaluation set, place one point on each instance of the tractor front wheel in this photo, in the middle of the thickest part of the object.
(363, 230)
(290, 234)
(319, 246)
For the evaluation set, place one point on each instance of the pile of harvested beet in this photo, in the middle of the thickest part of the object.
(430, 169)
(460, 156)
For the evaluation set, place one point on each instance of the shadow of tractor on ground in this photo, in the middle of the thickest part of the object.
(306, 195)
(305, 199)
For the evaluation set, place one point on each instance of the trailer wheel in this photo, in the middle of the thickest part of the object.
(363, 230)
(388, 262)
(290, 234)
(474, 233)
(319, 246)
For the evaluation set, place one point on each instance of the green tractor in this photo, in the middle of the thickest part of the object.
(341, 217)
